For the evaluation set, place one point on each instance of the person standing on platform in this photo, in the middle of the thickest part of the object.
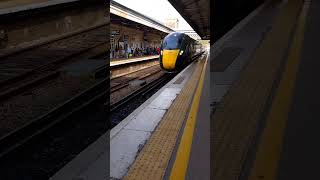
(128, 52)
(154, 51)
(116, 52)
(122, 52)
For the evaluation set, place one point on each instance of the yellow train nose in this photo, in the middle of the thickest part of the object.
(169, 58)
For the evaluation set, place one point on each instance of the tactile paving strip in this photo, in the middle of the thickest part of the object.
(152, 161)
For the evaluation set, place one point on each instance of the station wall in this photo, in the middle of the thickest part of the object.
(33, 27)
(134, 38)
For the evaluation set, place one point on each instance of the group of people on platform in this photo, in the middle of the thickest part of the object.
(120, 52)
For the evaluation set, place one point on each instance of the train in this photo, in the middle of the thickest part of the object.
(177, 51)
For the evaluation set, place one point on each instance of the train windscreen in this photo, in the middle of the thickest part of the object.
(172, 42)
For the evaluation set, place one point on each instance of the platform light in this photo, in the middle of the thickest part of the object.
(181, 52)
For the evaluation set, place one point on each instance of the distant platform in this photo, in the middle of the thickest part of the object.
(118, 62)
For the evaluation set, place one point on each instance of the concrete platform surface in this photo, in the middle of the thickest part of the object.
(246, 36)
(132, 60)
(141, 123)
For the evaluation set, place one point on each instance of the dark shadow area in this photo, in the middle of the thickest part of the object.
(54, 84)
(226, 14)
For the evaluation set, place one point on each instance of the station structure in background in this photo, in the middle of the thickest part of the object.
(131, 29)
(174, 24)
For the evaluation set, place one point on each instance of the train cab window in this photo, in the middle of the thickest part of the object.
(172, 42)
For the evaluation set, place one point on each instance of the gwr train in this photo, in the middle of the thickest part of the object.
(177, 50)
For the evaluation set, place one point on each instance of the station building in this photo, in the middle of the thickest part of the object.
(124, 36)
(131, 31)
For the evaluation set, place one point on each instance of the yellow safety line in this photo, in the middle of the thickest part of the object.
(179, 169)
(266, 163)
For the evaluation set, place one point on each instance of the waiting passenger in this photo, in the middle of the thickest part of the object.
(128, 52)
(116, 52)
(158, 50)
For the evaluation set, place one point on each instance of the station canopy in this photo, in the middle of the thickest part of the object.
(196, 13)
(128, 23)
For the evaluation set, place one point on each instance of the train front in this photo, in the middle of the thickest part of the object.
(170, 52)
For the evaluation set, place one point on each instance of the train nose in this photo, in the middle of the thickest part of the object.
(169, 59)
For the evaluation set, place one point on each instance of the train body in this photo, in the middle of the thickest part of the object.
(177, 50)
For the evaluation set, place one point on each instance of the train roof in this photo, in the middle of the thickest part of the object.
(179, 34)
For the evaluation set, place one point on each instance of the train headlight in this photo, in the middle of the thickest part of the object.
(161, 52)
(181, 52)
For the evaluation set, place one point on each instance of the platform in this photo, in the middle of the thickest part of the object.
(293, 116)
(264, 117)
(159, 156)
(118, 62)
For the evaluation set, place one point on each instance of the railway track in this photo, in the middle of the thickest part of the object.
(26, 136)
(142, 91)
(123, 80)
(37, 126)
(23, 69)
(12, 141)
(129, 90)
(121, 108)
(30, 67)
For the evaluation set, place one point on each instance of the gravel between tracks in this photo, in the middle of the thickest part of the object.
(23, 108)
(119, 94)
